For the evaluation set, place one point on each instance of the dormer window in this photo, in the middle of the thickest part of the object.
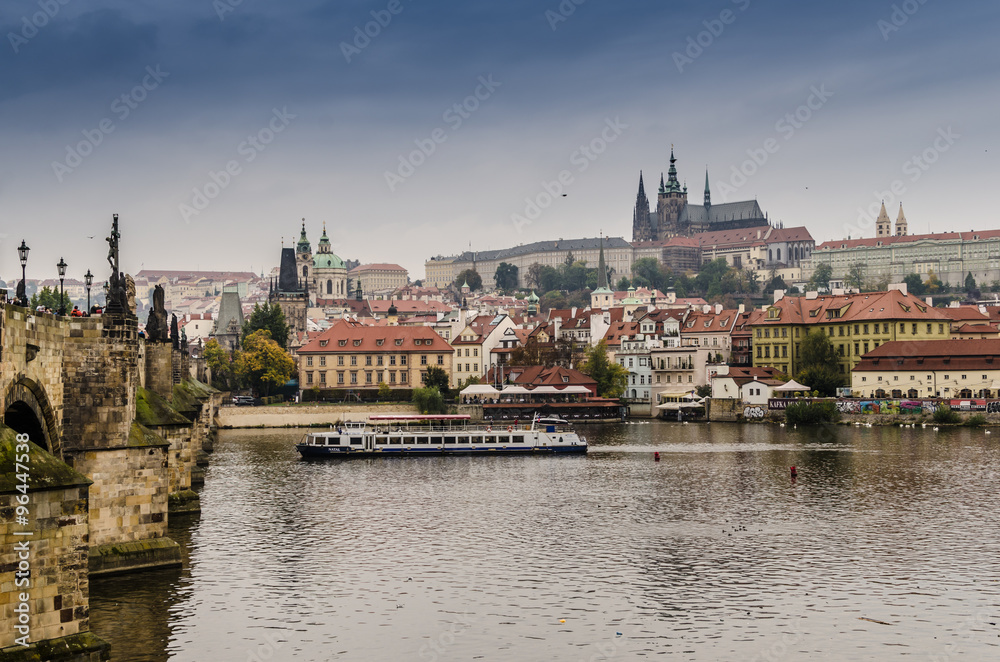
(342, 343)
(323, 343)
(357, 343)
(399, 341)
(380, 341)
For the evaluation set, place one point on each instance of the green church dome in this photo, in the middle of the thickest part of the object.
(327, 261)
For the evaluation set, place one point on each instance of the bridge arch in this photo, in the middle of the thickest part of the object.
(27, 411)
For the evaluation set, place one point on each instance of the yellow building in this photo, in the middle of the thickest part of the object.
(855, 323)
(930, 368)
(352, 355)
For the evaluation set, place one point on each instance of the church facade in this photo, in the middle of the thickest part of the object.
(675, 217)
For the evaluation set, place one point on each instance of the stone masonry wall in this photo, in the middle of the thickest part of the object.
(100, 373)
(159, 369)
(128, 500)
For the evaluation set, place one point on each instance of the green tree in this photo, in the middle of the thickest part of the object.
(611, 378)
(429, 400)
(506, 276)
(856, 276)
(220, 362)
(533, 278)
(650, 272)
(574, 276)
(270, 318)
(819, 364)
(384, 391)
(934, 284)
(752, 279)
(820, 279)
(970, 283)
(262, 364)
(470, 276)
(914, 284)
(49, 297)
(623, 284)
(436, 378)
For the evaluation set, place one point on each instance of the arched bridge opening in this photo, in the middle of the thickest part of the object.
(27, 411)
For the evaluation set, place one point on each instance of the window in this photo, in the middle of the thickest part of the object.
(630, 363)
(885, 328)
(368, 359)
(340, 377)
(857, 349)
(784, 351)
(767, 333)
(866, 329)
(840, 349)
(324, 343)
(322, 360)
(840, 331)
(466, 351)
(380, 341)
(928, 328)
(758, 353)
(354, 360)
(399, 341)
(368, 378)
(767, 352)
(914, 328)
(309, 361)
(402, 360)
(322, 377)
(357, 343)
(342, 343)
(309, 377)
(402, 377)
(423, 359)
(340, 360)
(378, 360)
(784, 332)
(440, 359)
(857, 329)
(475, 351)
(941, 330)
(354, 378)
(392, 378)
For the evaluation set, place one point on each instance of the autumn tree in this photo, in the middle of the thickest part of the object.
(262, 364)
(220, 362)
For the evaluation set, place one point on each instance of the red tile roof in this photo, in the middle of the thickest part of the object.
(863, 307)
(933, 355)
(909, 238)
(329, 341)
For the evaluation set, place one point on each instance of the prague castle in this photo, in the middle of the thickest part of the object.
(674, 216)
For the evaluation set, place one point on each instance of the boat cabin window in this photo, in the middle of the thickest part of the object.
(518, 439)
(463, 440)
(490, 440)
(423, 440)
(436, 440)
(449, 440)
(333, 441)
(355, 441)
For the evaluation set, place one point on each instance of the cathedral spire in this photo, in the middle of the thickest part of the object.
(642, 190)
(882, 224)
(673, 186)
(602, 268)
(708, 193)
(901, 229)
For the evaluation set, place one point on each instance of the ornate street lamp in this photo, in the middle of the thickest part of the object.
(88, 280)
(62, 275)
(22, 255)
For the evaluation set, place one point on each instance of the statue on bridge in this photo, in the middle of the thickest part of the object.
(22, 295)
(156, 323)
(118, 297)
(174, 335)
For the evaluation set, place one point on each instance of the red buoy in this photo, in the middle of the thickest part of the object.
(656, 456)
(794, 472)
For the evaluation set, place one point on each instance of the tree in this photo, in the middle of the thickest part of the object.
(776, 283)
(384, 391)
(269, 318)
(506, 276)
(534, 276)
(856, 276)
(649, 270)
(611, 378)
(623, 284)
(574, 276)
(934, 284)
(970, 284)
(49, 298)
(820, 364)
(429, 400)
(220, 362)
(753, 280)
(262, 364)
(470, 276)
(436, 378)
(703, 391)
(820, 279)
(914, 284)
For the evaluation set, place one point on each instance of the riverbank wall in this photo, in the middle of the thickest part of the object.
(295, 416)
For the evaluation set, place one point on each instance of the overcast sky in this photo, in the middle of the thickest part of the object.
(139, 107)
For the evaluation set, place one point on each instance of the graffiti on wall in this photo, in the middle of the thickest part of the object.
(848, 406)
(753, 411)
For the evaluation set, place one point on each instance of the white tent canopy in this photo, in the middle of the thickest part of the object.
(513, 389)
(479, 389)
(791, 386)
(545, 389)
(575, 389)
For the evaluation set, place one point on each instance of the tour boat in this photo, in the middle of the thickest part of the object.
(441, 435)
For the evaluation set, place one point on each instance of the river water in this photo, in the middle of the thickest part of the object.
(712, 553)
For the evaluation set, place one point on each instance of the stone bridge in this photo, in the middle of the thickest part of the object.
(107, 411)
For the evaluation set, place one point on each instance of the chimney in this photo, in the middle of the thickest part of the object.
(812, 295)
(718, 308)
(706, 308)
(929, 301)
(741, 309)
(778, 295)
(900, 287)
(556, 326)
(572, 313)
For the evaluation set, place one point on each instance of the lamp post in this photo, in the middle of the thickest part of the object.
(22, 255)
(88, 280)
(62, 275)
